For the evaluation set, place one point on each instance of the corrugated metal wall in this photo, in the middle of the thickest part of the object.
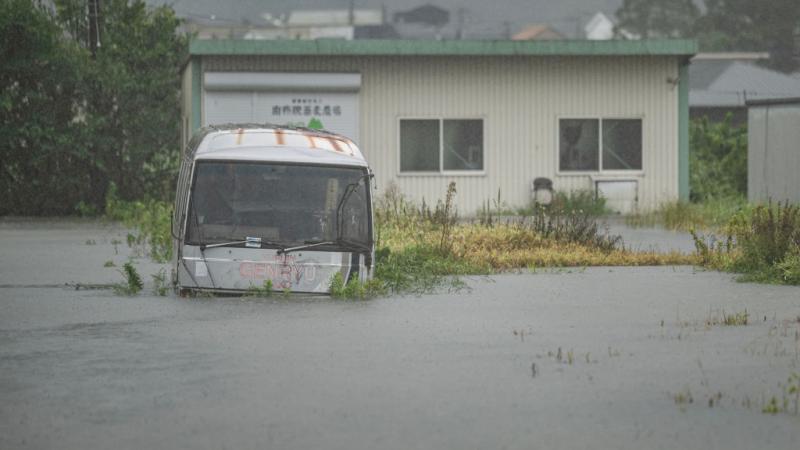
(773, 153)
(520, 100)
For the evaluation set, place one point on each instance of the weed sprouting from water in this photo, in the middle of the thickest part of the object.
(160, 286)
(265, 290)
(355, 289)
(735, 319)
(790, 398)
(133, 281)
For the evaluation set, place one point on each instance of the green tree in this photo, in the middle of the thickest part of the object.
(755, 26)
(72, 124)
(133, 95)
(44, 156)
(657, 18)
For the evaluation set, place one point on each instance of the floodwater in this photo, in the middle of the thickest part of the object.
(596, 358)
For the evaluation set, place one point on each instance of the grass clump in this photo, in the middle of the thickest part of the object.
(762, 244)
(581, 201)
(160, 286)
(730, 320)
(133, 281)
(150, 219)
(265, 290)
(790, 398)
(355, 289)
(685, 216)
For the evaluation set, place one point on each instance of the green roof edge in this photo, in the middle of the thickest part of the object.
(381, 47)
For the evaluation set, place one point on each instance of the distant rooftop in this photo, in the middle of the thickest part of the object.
(335, 17)
(731, 83)
(378, 47)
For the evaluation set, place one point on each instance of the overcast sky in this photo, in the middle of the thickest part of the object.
(483, 17)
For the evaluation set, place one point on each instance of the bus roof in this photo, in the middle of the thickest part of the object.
(274, 143)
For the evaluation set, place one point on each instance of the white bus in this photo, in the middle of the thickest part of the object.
(260, 203)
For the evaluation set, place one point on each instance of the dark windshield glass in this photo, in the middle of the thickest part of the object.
(288, 204)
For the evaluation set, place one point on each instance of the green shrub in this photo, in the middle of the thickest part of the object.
(718, 152)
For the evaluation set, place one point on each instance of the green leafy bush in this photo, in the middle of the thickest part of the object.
(717, 160)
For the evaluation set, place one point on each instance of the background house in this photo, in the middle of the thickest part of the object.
(610, 116)
(538, 32)
(722, 83)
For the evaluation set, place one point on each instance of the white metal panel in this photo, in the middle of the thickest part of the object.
(228, 107)
(620, 195)
(520, 100)
(773, 154)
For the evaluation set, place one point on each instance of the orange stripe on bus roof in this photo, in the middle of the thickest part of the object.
(279, 137)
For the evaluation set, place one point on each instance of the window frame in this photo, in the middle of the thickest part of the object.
(441, 171)
(600, 170)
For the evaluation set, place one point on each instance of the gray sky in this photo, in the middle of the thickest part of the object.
(483, 17)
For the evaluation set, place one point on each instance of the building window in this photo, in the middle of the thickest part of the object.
(419, 145)
(580, 150)
(441, 145)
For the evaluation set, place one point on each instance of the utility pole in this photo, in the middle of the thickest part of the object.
(460, 13)
(351, 13)
(94, 26)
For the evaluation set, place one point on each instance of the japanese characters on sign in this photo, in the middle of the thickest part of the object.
(306, 107)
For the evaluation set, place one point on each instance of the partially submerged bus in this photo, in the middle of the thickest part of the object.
(259, 203)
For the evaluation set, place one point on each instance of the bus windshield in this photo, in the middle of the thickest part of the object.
(282, 204)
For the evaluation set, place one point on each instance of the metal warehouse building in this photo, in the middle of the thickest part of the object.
(610, 116)
(773, 150)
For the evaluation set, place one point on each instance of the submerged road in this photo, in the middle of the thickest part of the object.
(626, 358)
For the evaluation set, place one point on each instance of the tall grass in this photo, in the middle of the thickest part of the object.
(762, 243)
(412, 257)
(685, 216)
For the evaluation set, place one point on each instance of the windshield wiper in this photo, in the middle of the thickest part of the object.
(345, 244)
(250, 242)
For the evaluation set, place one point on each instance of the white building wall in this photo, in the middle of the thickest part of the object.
(520, 100)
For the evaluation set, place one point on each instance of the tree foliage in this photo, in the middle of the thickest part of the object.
(725, 25)
(657, 18)
(41, 79)
(770, 26)
(73, 124)
(718, 159)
